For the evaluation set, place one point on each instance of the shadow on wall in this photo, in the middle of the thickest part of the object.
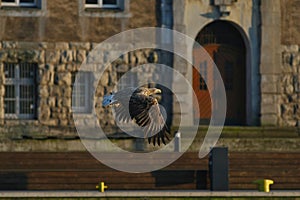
(13, 181)
(178, 177)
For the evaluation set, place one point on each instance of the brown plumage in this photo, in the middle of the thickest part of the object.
(139, 105)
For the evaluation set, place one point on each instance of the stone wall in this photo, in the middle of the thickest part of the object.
(64, 20)
(56, 64)
(58, 37)
(289, 80)
(290, 18)
(270, 58)
(290, 86)
(242, 139)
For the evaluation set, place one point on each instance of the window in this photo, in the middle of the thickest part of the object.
(102, 4)
(20, 90)
(21, 8)
(81, 98)
(104, 8)
(20, 3)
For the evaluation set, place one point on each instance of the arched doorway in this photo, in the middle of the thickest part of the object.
(226, 47)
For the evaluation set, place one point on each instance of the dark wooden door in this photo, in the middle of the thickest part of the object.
(230, 63)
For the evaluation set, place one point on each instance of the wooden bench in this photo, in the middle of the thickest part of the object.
(81, 171)
(283, 168)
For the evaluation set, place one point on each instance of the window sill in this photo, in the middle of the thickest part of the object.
(17, 11)
(101, 9)
(16, 122)
(105, 12)
(19, 8)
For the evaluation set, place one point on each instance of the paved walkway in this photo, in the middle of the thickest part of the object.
(151, 193)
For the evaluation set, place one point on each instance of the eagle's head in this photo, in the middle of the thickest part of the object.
(154, 91)
(147, 91)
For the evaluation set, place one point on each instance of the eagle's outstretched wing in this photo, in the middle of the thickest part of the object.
(121, 107)
(146, 113)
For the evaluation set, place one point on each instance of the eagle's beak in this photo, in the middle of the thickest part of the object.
(154, 91)
(157, 91)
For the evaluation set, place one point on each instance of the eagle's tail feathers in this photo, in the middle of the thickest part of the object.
(149, 140)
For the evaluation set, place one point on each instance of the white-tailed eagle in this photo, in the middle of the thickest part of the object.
(139, 105)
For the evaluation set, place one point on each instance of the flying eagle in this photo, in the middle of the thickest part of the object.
(139, 105)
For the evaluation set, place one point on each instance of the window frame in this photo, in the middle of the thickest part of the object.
(86, 108)
(101, 5)
(18, 3)
(122, 11)
(38, 10)
(17, 81)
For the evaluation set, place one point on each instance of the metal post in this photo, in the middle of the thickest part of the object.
(177, 142)
(218, 169)
(139, 144)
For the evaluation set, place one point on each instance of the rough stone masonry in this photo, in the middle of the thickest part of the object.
(290, 87)
(57, 63)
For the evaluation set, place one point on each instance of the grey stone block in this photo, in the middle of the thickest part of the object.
(270, 108)
(269, 120)
(269, 88)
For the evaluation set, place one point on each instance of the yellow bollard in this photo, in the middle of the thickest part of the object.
(267, 184)
(264, 184)
(101, 187)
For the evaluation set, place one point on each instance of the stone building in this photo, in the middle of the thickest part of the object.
(257, 43)
(43, 44)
